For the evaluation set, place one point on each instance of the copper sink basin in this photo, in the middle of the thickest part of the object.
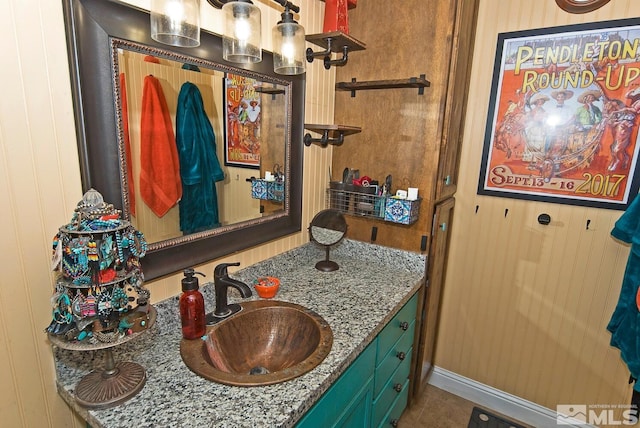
(268, 342)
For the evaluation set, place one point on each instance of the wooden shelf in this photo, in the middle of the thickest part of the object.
(273, 91)
(333, 129)
(338, 41)
(268, 90)
(335, 41)
(411, 82)
(350, 5)
(331, 134)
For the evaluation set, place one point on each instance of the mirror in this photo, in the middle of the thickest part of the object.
(327, 228)
(255, 115)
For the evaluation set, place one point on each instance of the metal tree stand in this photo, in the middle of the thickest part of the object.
(112, 386)
(116, 382)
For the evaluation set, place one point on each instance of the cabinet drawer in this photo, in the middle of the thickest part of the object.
(392, 360)
(339, 397)
(396, 327)
(396, 408)
(389, 393)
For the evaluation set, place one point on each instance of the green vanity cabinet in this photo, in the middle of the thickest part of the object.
(373, 391)
(348, 402)
(393, 363)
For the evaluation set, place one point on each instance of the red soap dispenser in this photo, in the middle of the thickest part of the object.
(192, 307)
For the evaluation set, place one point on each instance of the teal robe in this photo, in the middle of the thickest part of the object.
(199, 165)
(625, 321)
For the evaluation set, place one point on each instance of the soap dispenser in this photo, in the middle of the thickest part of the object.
(192, 306)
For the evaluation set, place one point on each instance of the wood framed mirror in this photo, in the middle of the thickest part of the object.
(108, 40)
(581, 6)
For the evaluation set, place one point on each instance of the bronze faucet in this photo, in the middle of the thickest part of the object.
(222, 282)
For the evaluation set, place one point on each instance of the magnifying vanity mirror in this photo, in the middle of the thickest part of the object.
(255, 115)
(327, 228)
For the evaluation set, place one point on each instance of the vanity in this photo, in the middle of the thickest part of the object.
(374, 390)
(370, 305)
(365, 301)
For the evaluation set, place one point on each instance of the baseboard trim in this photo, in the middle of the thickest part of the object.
(494, 399)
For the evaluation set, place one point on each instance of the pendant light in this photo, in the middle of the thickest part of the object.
(176, 22)
(241, 41)
(288, 45)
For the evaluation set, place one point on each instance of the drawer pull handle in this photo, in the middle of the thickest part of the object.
(401, 356)
(394, 423)
(397, 387)
(404, 325)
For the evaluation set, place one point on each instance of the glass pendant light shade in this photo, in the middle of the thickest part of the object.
(176, 22)
(288, 46)
(242, 32)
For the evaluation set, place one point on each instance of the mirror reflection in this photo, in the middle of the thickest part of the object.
(204, 148)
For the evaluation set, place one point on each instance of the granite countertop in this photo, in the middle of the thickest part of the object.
(357, 300)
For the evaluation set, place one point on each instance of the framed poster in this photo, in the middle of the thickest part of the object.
(242, 122)
(563, 115)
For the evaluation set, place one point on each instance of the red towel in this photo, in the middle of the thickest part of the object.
(160, 185)
(127, 145)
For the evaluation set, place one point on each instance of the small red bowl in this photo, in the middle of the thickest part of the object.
(267, 286)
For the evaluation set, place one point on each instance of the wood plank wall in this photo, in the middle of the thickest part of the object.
(525, 306)
(527, 317)
(401, 129)
(40, 187)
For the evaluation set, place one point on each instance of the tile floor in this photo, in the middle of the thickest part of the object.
(437, 408)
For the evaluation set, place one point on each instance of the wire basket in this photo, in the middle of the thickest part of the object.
(267, 190)
(365, 202)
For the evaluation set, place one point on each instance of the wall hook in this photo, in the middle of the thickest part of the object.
(506, 211)
(477, 208)
(588, 223)
(544, 219)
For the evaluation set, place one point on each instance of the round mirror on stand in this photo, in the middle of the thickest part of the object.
(327, 228)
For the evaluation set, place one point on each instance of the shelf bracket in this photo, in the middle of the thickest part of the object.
(421, 88)
(335, 41)
(328, 62)
(353, 91)
(311, 55)
(325, 139)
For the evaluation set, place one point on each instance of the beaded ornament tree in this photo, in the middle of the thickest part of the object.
(99, 300)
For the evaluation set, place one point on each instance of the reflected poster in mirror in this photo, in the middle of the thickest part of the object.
(242, 125)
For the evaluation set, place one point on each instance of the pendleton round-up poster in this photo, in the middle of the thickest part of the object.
(563, 117)
(243, 122)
